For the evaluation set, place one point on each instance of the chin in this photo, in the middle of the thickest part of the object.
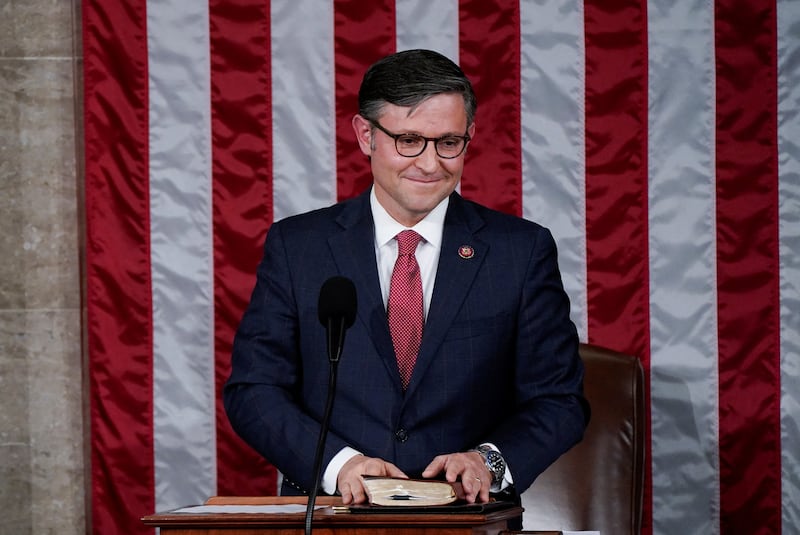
(437, 190)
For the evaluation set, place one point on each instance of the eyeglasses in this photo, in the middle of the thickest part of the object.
(412, 145)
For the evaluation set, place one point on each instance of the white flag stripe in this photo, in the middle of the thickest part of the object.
(426, 24)
(682, 249)
(431, 25)
(303, 107)
(789, 228)
(181, 253)
(553, 129)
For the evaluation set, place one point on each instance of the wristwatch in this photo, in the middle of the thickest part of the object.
(495, 463)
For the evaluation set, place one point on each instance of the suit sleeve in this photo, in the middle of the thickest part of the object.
(262, 395)
(550, 412)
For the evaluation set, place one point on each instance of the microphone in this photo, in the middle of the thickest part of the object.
(337, 312)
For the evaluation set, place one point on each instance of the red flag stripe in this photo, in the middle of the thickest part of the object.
(489, 55)
(748, 267)
(361, 37)
(616, 182)
(118, 264)
(616, 174)
(242, 200)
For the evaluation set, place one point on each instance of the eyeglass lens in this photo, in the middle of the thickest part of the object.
(414, 145)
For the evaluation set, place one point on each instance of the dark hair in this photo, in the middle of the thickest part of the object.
(410, 77)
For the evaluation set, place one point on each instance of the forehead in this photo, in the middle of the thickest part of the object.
(443, 113)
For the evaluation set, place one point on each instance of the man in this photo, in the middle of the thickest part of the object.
(490, 395)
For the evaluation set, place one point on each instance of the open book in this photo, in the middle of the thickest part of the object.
(411, 492)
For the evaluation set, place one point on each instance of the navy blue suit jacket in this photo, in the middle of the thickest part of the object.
(498, 361)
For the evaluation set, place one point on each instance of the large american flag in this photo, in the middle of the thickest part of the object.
(659, 140)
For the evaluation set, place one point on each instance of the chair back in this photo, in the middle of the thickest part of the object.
(598, 484)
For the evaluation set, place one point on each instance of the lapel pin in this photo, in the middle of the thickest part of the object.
(466, 252)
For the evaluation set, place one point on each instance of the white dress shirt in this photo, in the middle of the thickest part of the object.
(427, 253)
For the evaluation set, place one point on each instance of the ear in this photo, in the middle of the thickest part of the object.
(363, 131)
(471, 131)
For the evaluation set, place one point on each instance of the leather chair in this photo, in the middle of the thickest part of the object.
(599, 483)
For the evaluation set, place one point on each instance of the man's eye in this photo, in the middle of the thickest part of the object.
(449, 142)
(411, 141)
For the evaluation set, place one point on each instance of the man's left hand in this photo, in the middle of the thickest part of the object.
(467, 466)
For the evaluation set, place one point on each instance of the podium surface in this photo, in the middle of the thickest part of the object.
(330, 518)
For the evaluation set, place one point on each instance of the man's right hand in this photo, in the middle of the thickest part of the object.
(351, 484)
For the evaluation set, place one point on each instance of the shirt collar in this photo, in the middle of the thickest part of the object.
(386, 228)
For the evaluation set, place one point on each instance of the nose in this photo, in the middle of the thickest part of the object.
(428, 161)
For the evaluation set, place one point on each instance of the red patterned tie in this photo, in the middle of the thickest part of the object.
(405, 304)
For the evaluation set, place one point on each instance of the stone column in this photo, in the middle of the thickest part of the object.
(42, 458)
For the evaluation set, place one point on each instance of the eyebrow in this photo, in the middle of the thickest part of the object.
(418, 133)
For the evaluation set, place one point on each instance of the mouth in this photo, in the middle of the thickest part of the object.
(424, 179)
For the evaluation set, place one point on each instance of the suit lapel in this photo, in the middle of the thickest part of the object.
(454, 277)
(353, 251)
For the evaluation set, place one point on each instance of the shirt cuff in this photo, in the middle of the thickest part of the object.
(331, 474)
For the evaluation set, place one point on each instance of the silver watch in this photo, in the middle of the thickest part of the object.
(495, 463)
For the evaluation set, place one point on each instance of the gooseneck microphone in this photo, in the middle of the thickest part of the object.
(337, 312)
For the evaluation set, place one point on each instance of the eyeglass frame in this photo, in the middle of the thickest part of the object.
(466, 137)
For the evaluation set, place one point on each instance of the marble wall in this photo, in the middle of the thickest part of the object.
(42, 431)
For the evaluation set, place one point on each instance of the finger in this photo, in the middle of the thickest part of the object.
(435, 466)
(471, 486)
(358, 493)
(394, 471)
(347, 496)
(484, 494)
(455, 468)
(379, 467)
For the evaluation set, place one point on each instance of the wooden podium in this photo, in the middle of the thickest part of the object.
(331, 518)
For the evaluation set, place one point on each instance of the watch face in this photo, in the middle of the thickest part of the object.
(495, 461)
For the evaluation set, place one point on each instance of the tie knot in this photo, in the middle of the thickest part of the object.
(407, 242)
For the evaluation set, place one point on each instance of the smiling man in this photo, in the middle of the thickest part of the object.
(412, 174)
(462, 362)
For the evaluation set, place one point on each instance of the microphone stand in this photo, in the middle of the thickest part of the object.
(326, 420)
